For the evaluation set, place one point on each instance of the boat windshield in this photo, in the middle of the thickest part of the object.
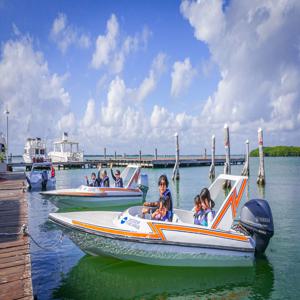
(128, 173)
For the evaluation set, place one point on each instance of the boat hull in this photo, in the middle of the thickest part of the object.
(160, 254)
(38, 185)
(92, 197)
(93, 202)
(65, 157)
(98, 233)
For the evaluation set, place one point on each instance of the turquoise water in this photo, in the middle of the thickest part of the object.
(62, 271)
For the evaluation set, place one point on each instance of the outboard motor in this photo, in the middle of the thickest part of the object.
(256, 218)
(143, 185)
(44, 179)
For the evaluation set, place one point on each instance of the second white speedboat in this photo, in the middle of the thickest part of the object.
(41, 176)
(134, 192)
(128, 236)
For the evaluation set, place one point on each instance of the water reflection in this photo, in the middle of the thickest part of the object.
(261, 191)
(108, 278)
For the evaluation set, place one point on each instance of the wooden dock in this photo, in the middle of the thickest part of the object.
(15, 263)
(144, 161)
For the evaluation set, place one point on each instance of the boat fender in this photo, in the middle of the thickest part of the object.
(52, 172)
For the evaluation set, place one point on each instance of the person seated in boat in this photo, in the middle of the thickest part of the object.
(116, 177)
(197, 206)
(94, 180)
(164, 193)
(161, 212)
(204, 216)
(104, 179)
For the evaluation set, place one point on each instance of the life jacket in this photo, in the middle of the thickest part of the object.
(200, 218)
(119, 182)
(169, 214)
(104, 180)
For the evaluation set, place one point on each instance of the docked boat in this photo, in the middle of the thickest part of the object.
(41, 176)
(34, 151)
(66, 150)
(134, 192)
(128, 236)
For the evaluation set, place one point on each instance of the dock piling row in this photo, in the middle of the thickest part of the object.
(245, 171)
(261, 169)
(212, 166)
(176, 167)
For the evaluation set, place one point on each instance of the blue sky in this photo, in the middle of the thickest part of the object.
(127, 75)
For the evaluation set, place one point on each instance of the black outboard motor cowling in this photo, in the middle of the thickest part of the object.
(256, 217)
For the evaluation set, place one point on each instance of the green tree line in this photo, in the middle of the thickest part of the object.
(278, 151)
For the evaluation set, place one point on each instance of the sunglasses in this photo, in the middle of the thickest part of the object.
(162, 183)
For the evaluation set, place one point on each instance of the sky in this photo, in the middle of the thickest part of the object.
(128, 75)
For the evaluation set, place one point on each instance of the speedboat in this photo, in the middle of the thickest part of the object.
(41, 176)
(128, 236)
(134, 192)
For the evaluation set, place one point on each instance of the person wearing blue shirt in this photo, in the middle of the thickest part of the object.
(165, 197)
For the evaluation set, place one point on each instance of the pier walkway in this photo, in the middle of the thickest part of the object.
(15, 264)
(144, 161)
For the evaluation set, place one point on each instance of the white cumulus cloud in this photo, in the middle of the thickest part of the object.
(182, 76)
(254, 45)
(36, 98)
(150, 82)
(65, 35)
(112, 49)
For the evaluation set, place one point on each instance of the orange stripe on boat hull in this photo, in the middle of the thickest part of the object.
(157, 231)
(150, 235)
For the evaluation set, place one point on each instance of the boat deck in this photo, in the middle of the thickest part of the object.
(15, 263)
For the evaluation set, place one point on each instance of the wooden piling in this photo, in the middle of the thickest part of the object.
(213, 150)
(246, 171)
(176, 167)
(227, 167)
(261, 170)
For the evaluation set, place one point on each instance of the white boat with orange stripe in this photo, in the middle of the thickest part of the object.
(134, 192)
(125, 235)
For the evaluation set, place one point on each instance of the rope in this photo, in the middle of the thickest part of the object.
(24, 231)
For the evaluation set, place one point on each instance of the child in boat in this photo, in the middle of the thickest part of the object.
(161, 212)
(206, 214)
(198, 210)
(198, 207)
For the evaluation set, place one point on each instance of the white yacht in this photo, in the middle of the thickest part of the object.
(66, 151)
(34, 150)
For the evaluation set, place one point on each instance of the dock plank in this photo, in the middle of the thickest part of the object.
(15, 262)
